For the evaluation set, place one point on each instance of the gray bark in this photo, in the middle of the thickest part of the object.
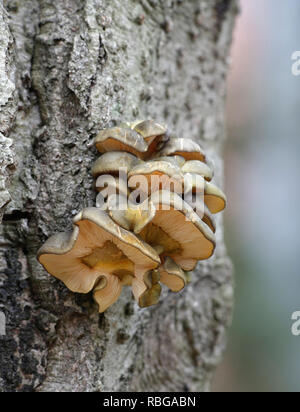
(67, 69)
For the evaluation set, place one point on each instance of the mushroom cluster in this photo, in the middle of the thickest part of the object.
(152, 222)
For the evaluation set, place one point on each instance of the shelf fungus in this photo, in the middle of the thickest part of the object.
(153, 219)
(99, 255)
(183, 147)
(139, 138)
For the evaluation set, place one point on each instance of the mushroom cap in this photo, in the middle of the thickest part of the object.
(168, 172)
(173, 178)
(111, 162)
(172, 275)
(182, 233)
(215, 199)
(177, 160)
(157, 166)
(142, 139)
(149, 129)
(155, 135)
(171, 174)
(80, 258)
(199, 168)
(186, 148)
(121, 139)
(146, 288)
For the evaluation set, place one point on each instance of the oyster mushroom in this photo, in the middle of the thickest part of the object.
(160, 174)
(177, 160)
(141, 139)
(169, 173)
(214, 198)
(149, 129)
(140, 237)
(199, 168)
(121, 139)
(97, 254)
(154, 133)
(112, 162)
(166, 174)
(176, 231)
(186, 148)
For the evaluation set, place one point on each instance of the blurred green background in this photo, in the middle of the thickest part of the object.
(262, 220)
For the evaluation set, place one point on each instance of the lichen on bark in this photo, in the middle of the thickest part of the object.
(7, 108)
(82, 65)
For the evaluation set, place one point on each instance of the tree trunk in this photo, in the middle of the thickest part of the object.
(67, 69)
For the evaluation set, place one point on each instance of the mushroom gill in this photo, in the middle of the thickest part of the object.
(96, 248)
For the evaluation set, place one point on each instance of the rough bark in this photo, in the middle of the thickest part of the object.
(67, 69)
(8, 108)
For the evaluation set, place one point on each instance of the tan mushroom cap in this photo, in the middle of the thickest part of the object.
(177, 160)
(112, 162)
(180, 232)
(155, 135)
(156, 166)
(199, 168)
(121, 139)
(149, 129)
(160, 175)
(186, 148)
(142, 139)
(215, 199)
(171, 175)
(96, 248)
(173, 276)
(172, 178)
